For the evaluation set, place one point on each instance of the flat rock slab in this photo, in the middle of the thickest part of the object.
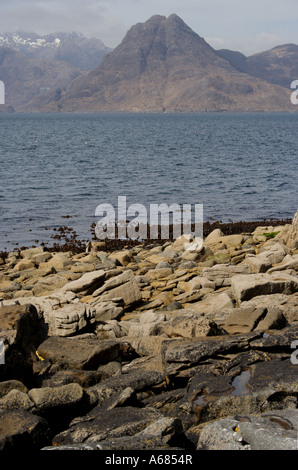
(87, 353)
(147, 380)
(86, 284)
(244, 320)
(192, 351)
(114, 423)
(247, 286)
(270, 431)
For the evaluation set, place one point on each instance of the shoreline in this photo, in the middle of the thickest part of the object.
(188, 345)
(67, 238)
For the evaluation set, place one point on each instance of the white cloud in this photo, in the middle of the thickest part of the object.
(248, 45)
(236, 24)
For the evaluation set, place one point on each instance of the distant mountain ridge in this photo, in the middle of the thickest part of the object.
(26, 78)
(74, 48)
(278, 65)
(161, 65)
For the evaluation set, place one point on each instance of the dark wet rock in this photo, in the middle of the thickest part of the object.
(21, 331)
(192, 351)
(101, 424)
(15, 400)
(161, 434)
(85, 378)
(147, 381)
(256, 388)
(8, 385)
(86, 354)
(277, 340)
(22, 430)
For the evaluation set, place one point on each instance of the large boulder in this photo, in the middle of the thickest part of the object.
(23, 430)
(20, 332)
(69, 320)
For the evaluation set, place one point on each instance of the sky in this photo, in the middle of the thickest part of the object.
(248, 26)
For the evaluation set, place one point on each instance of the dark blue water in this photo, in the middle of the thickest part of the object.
(239, 166)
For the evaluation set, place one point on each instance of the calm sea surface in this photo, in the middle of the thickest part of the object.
(239, 166)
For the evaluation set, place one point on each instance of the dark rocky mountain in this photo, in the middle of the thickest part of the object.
(278, 65)
(74, 48)
(162, 65)
(26, 78)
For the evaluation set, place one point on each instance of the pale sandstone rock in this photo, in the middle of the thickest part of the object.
(244, 287)
(86, 284)
(213, 303)
(123, 286)
(214, 236)
(69, 320)
(221, 274)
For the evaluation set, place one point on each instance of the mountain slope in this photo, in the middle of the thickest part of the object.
(162, 65)
(278, 65)
(26, 78)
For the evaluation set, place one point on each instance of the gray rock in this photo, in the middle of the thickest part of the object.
(53, 398)
(14, 400)
(192, 351)
(269, 431)
(288, 304)
(148, 380)
(108, 310)
(8, 385)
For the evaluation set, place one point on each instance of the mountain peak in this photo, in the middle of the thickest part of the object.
(163, 65)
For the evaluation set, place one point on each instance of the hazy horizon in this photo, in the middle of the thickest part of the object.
(246, 27)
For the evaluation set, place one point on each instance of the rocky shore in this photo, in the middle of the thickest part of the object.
(187, 345)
